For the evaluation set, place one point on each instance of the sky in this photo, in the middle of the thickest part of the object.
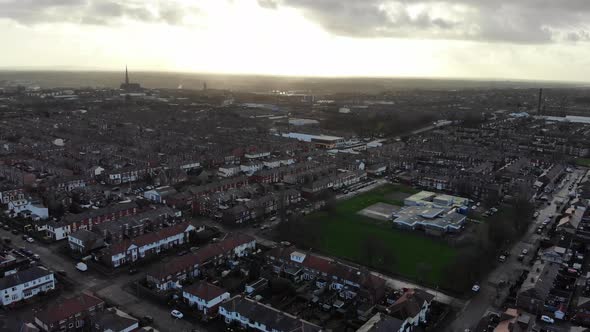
(481, 39)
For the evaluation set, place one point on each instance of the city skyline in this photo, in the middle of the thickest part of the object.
(446, 39)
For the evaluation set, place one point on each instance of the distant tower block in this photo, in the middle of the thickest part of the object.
(204, 86)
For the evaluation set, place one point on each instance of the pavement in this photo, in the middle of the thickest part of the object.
(109, 288)
(486, 299)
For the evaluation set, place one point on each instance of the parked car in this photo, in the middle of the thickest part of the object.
(82, 267)
(25, 237)
(176, 314)
(502, 259)
(146, 320)
(182, 253)
(36, 257)
(547, 319)
(30, 240)
(6, 227)
(520, 257)
(475, 288)
(133, 271)
(15, 231)
(525, 251)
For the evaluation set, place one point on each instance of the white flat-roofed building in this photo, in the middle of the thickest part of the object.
(429, 218)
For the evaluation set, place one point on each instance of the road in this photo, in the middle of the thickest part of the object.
(109, 288)
(508, 271)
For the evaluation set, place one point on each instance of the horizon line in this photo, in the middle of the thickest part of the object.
(190, 72)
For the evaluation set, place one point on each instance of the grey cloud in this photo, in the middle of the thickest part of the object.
(576, 36)
(96, 12)
(514, 21)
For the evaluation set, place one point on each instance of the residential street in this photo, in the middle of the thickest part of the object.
(508, 271)
(107, 287)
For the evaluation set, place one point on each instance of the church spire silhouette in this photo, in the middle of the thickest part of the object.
(127, 85)
(126, 76)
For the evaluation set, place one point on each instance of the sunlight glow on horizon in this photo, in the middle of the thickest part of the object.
(240, 37)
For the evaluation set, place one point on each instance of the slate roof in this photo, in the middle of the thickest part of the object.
(149, 238)
(71, 218)
(270, 317)
(24, 276)
(365, 279)
(67, 308)
(110, 320)
(204, 290)
(381, 323)
(410, 303)
(200, 257)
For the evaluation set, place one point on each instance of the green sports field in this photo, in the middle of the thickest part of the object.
(344, 231)
(583, 162)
